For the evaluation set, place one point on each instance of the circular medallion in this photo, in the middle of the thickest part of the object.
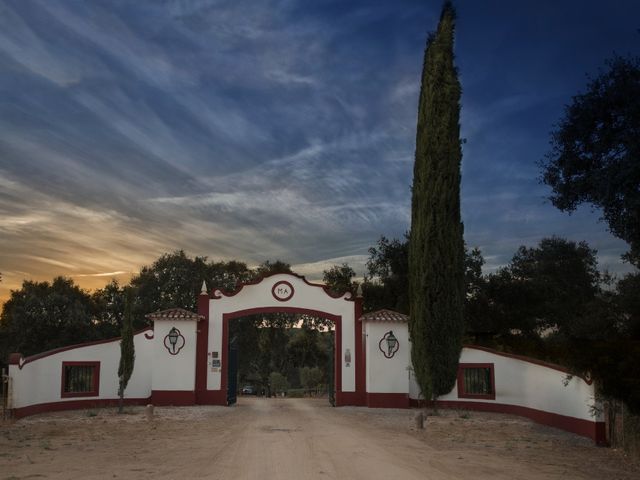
(282, 291)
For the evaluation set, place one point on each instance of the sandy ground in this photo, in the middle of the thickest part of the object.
(297, 439)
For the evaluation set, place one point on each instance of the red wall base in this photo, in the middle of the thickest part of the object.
(173, 397)
(388, 400)
(593, 430)
(211, 397)
(75, 405)
(344, 399)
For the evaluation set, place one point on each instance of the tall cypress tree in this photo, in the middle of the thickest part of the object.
(127, 352)
(436, 249)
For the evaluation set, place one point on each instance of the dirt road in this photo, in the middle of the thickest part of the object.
(297, 439)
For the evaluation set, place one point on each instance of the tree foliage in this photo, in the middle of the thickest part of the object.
(278, 383)
(595, 151)
(436, 250)
(45, 315)
(175, 279)
(108, 309)
(339, 278)
(387, 285)
(310, 378)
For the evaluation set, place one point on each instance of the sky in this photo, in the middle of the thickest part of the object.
(257, 130)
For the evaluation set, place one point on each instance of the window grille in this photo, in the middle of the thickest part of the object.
(80, 379)
(477, 381)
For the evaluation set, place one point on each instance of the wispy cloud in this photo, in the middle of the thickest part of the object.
(260, 130)
(104, 274)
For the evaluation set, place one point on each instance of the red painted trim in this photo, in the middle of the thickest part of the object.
(388, 400)
(282, 282)
(202, 345)
(95, 387)
(360, 349)
(336, 319)
(74, 405)
(586, 428)
(48, 353)
(535, 361)
(255, 281)
(463, 394)
(173, 397)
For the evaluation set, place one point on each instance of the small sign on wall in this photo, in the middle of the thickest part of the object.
(347, 358)
(214, 362)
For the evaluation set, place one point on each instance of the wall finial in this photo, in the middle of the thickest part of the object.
(203, 291)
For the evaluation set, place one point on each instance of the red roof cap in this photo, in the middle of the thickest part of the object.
(384, 315)
(174, 314)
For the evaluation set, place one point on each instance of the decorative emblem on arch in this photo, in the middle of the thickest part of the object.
(282, 291)
(174, 341)
(389, 344)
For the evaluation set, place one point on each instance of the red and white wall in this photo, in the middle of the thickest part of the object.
(370, 370)
(278, 293)
(37, 381)
(387, 378)
(544, 392)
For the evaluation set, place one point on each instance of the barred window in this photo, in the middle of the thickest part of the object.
(80, 379)
(476, 380)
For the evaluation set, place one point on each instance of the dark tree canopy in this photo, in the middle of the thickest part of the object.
(269, 268)
(387, 285)
(547, 288)
(595, 151)
(175, 279)
(436, 250)
(339, 278)
(43, 315)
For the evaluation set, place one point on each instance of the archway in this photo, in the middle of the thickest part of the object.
(285, 293)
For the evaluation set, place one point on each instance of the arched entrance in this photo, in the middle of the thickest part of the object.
(285, 293)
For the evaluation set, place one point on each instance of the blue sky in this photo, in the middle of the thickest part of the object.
(257, 130)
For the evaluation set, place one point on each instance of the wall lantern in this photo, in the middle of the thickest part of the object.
(389, 344)
(174, 341)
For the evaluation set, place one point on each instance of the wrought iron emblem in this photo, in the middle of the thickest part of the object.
(389, 344)
(174, 341)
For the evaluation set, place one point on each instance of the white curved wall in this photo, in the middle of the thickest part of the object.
(39, 381)
(525, 384)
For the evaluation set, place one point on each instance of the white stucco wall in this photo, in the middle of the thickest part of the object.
(522, 383)
(387, 375)
(305, 296)
(174, 372)
(39, 381)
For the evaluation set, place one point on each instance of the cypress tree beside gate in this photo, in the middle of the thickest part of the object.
(436, 249)
(127, 352)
